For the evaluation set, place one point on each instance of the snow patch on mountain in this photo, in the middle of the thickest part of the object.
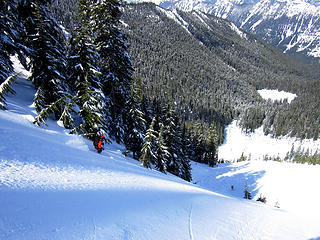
(222, 8)
(253, 27)
(200, 16)
(315, 52)
(238, 31)
(176, 17)
(276, 95)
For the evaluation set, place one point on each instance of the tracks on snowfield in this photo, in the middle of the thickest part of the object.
(190, 223)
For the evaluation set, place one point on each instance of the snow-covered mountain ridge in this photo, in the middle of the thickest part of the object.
(293, 26)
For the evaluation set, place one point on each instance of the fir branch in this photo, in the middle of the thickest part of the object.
(5, 88)
(46, 112)
(66, 117)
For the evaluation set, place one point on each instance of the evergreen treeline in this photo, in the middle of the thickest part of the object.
(86, 82)
(295, 156)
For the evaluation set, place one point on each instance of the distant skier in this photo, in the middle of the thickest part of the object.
(98, 143)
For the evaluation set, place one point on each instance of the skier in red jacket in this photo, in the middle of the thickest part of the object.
(99, 143)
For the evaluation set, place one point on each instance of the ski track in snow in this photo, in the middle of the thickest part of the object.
(190, 224)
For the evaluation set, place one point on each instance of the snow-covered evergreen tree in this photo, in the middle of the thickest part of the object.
(84, 78)
(161, 151)
(211, 156)
(116, 64)
(198, 142)
(177, 163)
(44, 43)
(135, 127)
(27, 16)
(148, 156)
(6, 42)
(186, 141)
(5, 87)
(49, 59)
(168, 135)
(10, 30)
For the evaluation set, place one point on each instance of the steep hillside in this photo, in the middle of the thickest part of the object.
(293, 26)
(55, 186)
(212, 69)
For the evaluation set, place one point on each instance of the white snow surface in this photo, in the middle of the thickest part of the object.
(292, 187)
(276, 95)
(174, 15)
(256, 145)
(55, 186)
(237, 30)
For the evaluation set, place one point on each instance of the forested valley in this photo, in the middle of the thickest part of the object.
(212, 73)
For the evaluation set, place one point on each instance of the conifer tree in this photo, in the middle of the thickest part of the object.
(7, 45)
(148, 156)
(186, 151)
(27, 15)
(116, 64)
(168, 135)
(247, 194)
(135, 127)
(212, 146)
(45, 46)
(198, 142)
(161, 151)
(84, 77)
(5, 88)
(181, 160)
(176, 163)
(10, 30)
(185, 172)
(49, 62)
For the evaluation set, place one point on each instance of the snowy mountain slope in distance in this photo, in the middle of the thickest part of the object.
(54, 186)
(293, 26)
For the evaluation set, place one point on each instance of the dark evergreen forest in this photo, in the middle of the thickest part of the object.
(212, 74)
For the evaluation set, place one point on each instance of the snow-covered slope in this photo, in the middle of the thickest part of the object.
(292, 187)
(256, 145)
(55, 186)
